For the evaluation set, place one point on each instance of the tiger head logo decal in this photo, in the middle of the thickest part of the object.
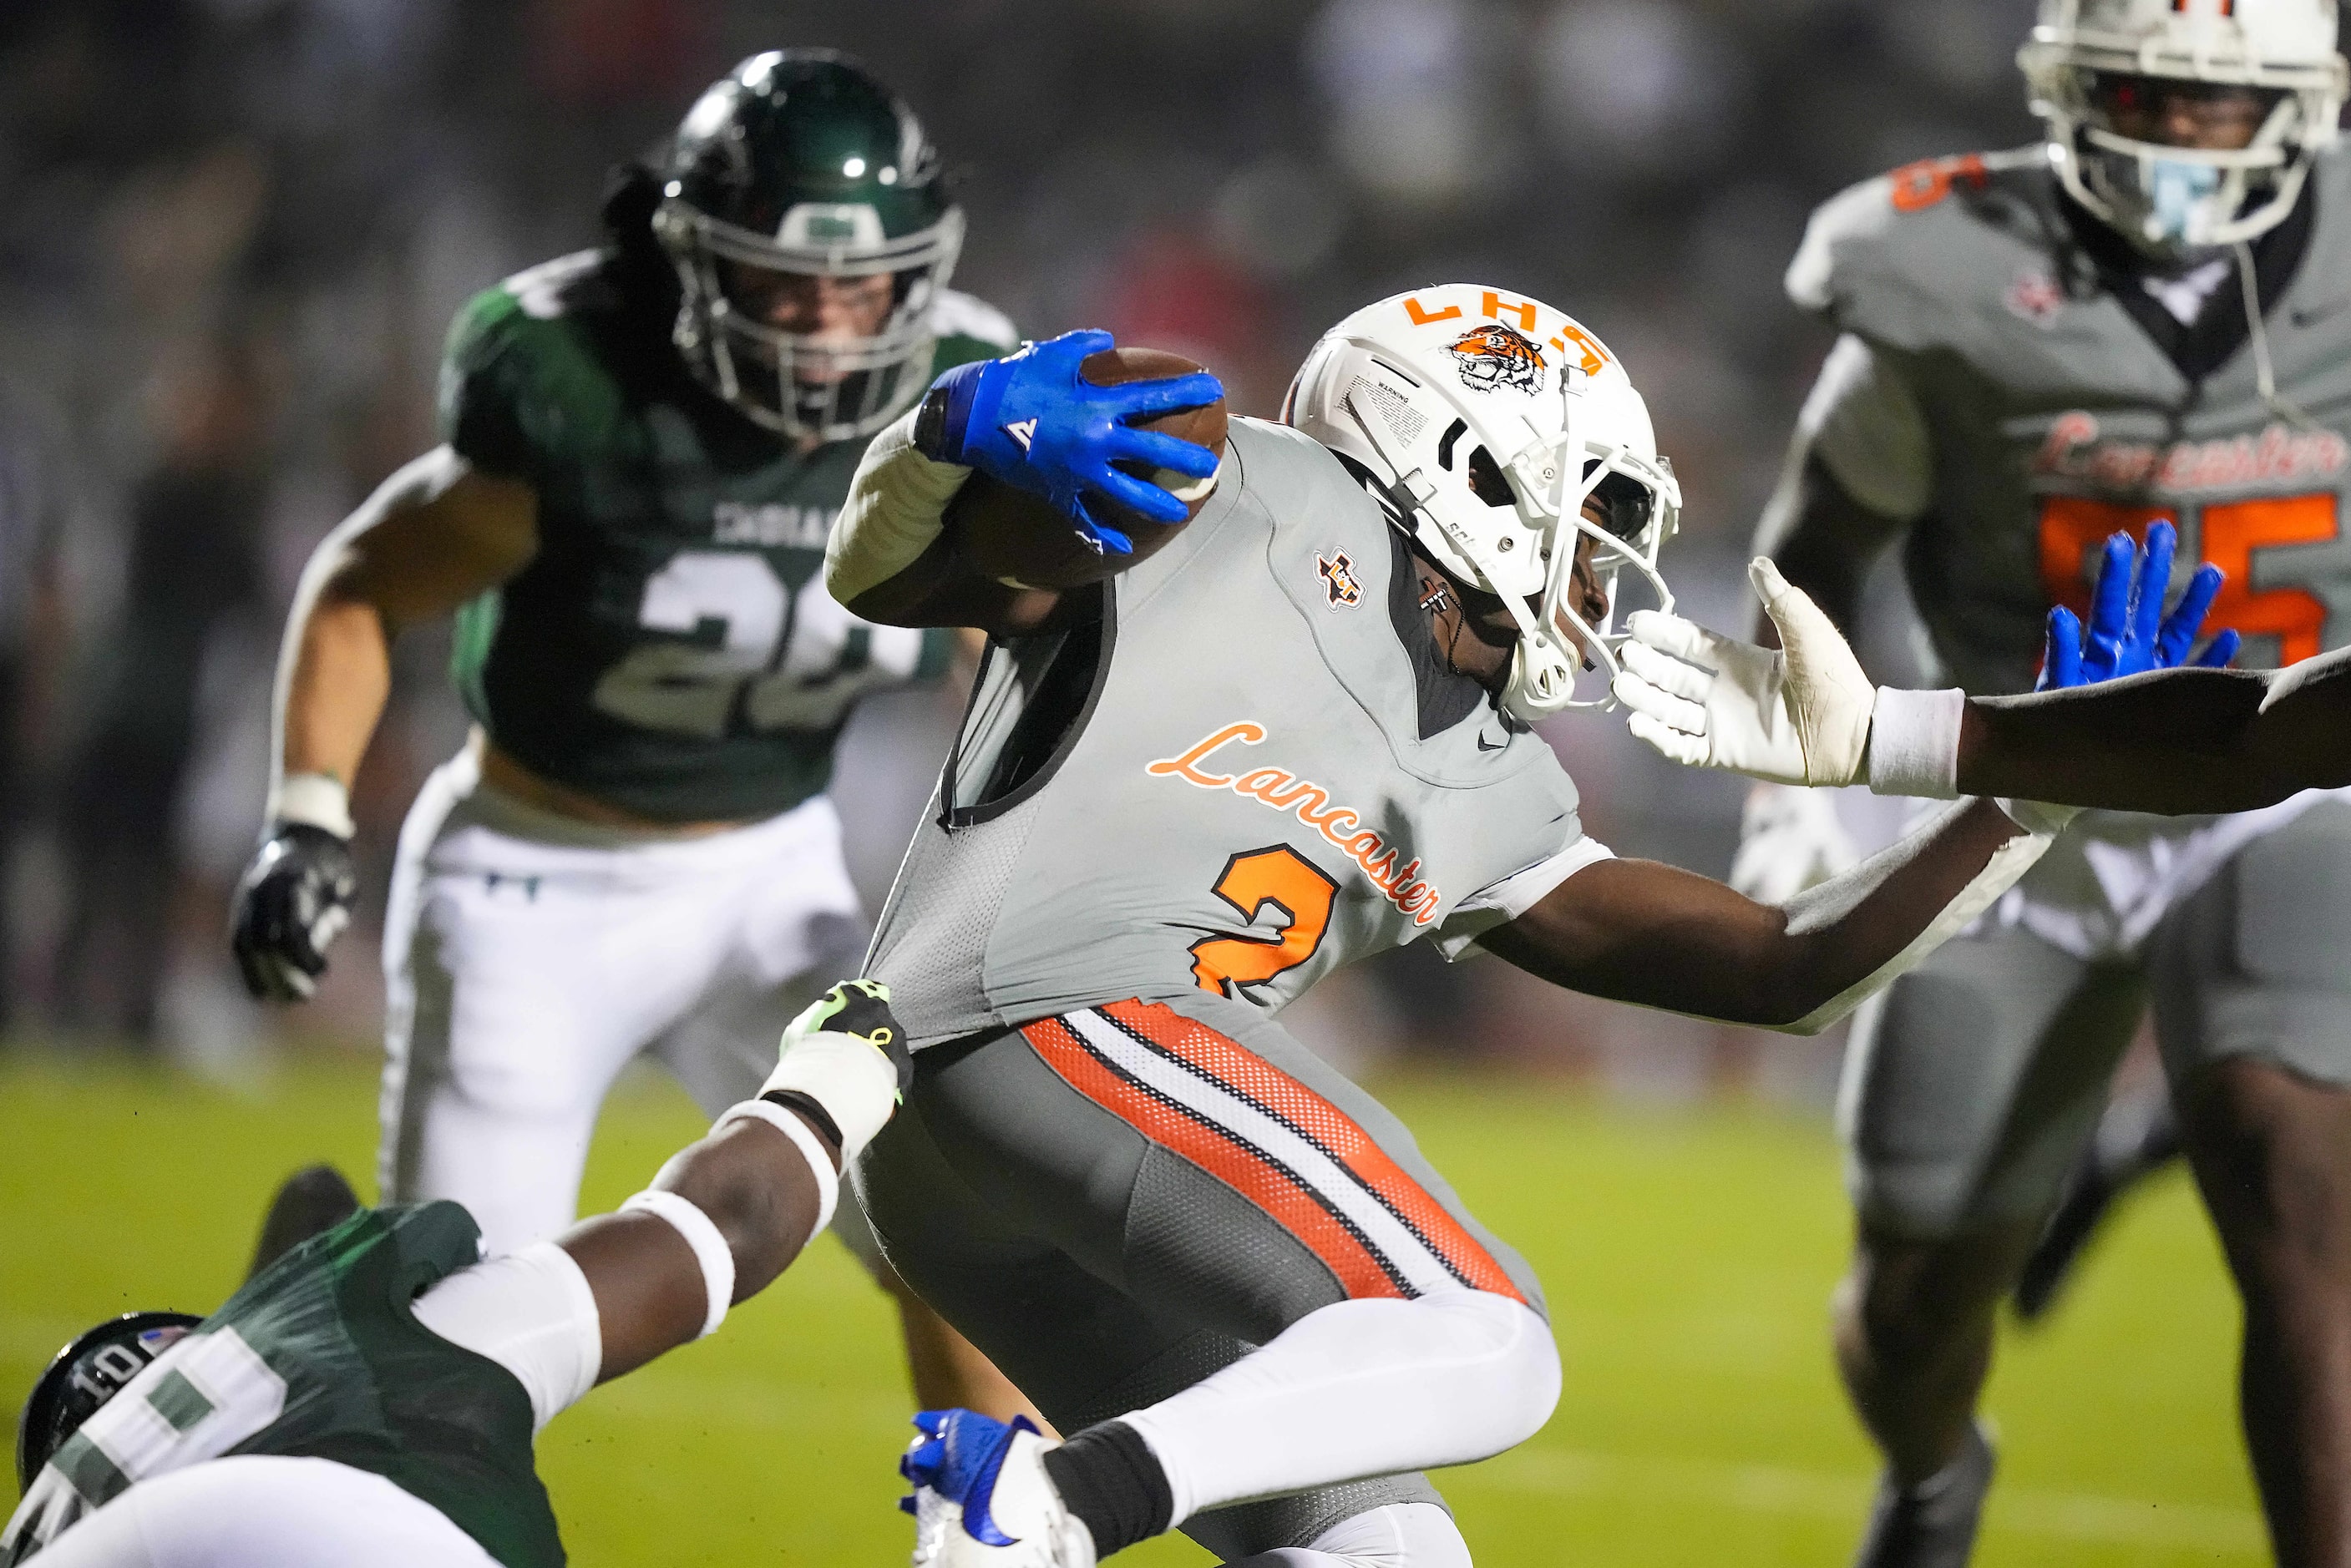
(1495, 356)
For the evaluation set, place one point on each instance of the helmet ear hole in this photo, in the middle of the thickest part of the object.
(1487, 483)
(1454, 432)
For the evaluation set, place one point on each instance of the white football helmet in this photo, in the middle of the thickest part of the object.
(2168, 198)
(1484, 421)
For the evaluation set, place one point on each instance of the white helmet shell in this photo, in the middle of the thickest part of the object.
(2163, 197)
(1436, 393)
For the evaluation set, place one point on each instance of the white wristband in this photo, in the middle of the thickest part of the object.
(710, 1248)
(317, 799)
(812, 1150)
(1914, 743)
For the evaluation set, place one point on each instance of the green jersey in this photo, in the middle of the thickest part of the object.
(321, 1356)
(670, 649)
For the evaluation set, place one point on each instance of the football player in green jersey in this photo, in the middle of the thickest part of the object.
(368, 1397)
(643, 447)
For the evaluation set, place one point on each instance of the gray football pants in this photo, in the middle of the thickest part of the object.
(1117, 1204)
(1973, 1085)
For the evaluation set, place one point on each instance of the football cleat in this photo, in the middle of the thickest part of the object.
(1932, 1525)
(982, 1499)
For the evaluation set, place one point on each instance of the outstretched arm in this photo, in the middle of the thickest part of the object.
(2171, 740)
(2168, 740)
(725, 1216)
(432, 537)
(1639, 932)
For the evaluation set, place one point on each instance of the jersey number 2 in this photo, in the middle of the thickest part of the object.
(1292, 886)
(2233, 530)
(731, 614)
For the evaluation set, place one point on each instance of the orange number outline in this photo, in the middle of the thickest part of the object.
(2230, 532)
(1280, 877)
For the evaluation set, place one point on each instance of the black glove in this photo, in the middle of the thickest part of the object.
(291, 903)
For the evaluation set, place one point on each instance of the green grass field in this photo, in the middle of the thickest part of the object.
(1687, 1255)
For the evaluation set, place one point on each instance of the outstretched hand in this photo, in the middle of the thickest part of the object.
(1798, 715)
(1032, 421)
(2129, 633)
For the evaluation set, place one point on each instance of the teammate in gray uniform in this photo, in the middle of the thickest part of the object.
(645, 447)
(2039, 348)
(368, 1397)
(1297, 736)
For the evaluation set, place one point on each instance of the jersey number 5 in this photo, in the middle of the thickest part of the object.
(1293, 887)
(727, 618)
(2231, 533)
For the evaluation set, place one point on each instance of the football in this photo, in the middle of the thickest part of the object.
(1020, 539)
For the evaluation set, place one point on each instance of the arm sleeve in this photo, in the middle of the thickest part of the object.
(1501, 902)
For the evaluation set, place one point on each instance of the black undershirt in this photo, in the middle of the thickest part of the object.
(2203, 346)
(1446, 697)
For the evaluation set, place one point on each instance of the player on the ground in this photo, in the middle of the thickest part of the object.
(1299, 734)
(2038, 348)
(368, 1397)
(645, 444)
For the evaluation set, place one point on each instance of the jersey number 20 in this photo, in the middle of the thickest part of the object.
(790, 661)
(1285, 882)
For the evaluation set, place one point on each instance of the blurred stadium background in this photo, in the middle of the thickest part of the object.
(232, 234)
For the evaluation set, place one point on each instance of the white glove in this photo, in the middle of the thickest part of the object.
(1789, 841)
(1799, 716)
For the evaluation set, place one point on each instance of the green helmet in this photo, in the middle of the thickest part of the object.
(799, 166)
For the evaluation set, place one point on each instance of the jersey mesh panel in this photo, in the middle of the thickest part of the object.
(935, 966)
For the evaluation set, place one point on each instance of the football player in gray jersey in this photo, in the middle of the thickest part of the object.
(1296, 735)
(2147, 317)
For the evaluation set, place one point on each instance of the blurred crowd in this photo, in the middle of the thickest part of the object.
(233, 232)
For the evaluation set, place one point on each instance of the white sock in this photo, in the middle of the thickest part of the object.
(1355, 1389)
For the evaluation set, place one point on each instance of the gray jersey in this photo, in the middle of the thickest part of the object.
(2041, 416)
(1223, 785)
(1995, 395)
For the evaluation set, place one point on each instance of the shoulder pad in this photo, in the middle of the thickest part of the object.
(959, 315)
(1295, 477)
(1890, 258)
(521, 349)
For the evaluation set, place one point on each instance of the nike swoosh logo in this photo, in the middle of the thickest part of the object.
(2312, 315)
(1486, 745)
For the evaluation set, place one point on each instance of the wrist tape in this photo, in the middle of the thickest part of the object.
(856, 1084)
(710, 1248)
(820, 1160)
(318, 800)
(1914, 743)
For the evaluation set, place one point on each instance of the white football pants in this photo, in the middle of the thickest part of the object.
(528, 957)
(256, 1511)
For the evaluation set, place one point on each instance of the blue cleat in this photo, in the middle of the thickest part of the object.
(982, 1499)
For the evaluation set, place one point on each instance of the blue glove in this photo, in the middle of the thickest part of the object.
(1032, 421)
(2128, 632)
